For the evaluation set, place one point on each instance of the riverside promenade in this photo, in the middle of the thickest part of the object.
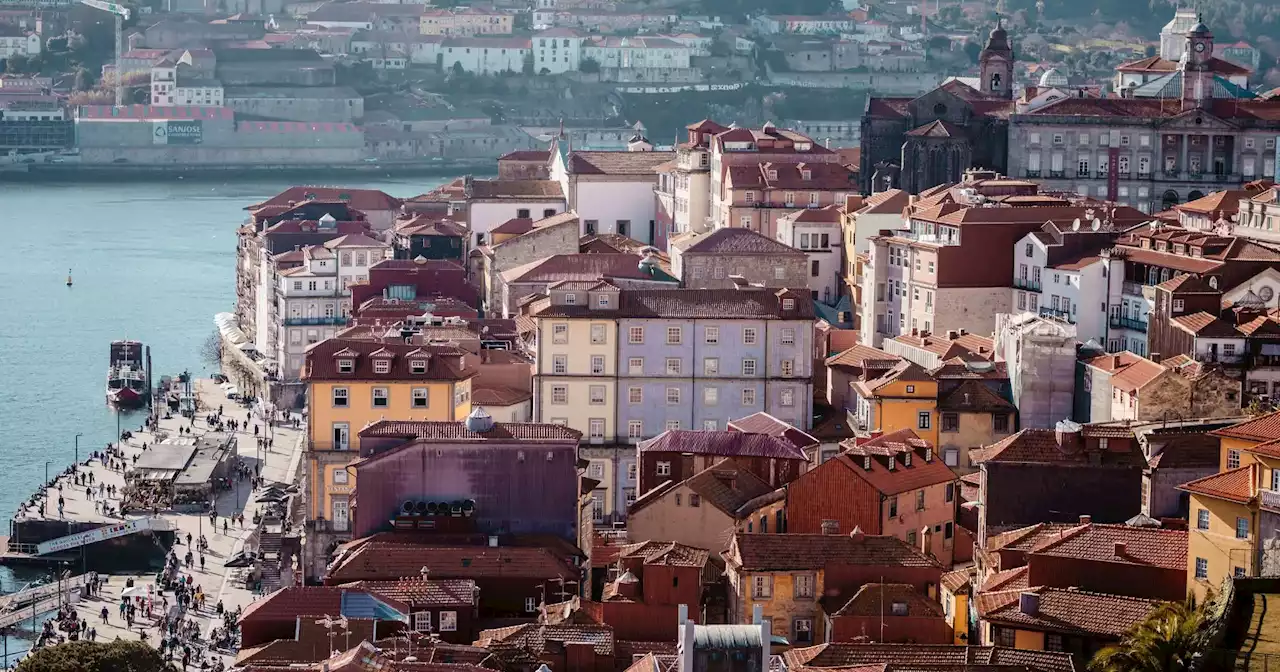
(279, 463)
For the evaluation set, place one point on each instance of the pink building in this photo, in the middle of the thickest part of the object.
(755, 196)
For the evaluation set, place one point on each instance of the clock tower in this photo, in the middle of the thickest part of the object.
(1197, 78)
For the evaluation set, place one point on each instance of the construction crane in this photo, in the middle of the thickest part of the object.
(122, 14)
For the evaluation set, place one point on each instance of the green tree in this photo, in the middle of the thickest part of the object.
(527, 66)
(1166, 641)
(972, 50)
(81, 80)
(96, 657)
(17, 64)
(589, 65)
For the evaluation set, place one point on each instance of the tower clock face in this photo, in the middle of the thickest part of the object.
(1199, 46)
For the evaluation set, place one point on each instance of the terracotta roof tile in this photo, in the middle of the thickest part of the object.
(764, 423)
(289, 603)
(875, 599)
(846, 655)
(888, 202)
(1152, 547)
(1226, 202)
(782, 552)
(723, 443)
(857, 356)
(1040, 446)
(1025, 538)
(439, 430)
(617, 163)
(1262, 428)
(498, 395)
(958, 581)
(1075, 611)
(443, 362)
(420, 593)
(1188, 451)
(1204, 325)
(528, 189)
(666, 553)
(534, 638)
(1009, 579)
(732, 241)
(1129, 372)
(958, 368)
(387, 561)
(947, 348)
(363, 199)
(727, 486)
(900, 447)
(580, 266)
(973, 396)
(777, 175)
(1236, 485)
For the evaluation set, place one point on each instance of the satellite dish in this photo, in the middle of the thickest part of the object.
(1154, 225)
(1075, 225)
(1097, 224)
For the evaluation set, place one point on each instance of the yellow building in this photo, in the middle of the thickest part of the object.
(971, 416)
(956, 588)
(354, 383)
(465, 22)
(575, 383)
(785, 574)
(1058, 619)
(904, 397)
(1231, 510)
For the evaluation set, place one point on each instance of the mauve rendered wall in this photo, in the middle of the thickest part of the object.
(513, 495)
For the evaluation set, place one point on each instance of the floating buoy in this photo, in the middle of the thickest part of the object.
(68, 277)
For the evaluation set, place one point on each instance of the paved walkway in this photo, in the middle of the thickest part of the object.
(280, 463)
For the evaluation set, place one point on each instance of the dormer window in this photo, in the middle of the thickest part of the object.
(1179, 249)
(1161, 246)
(866, 463)
(906, 459)
(346, 365)
(418, 366)
(893, 462)
(1146, 244)
(806, 174)
(773, 174)
(928, 454)
(571, 299)
(788, 304)
(1196, 251)
(382, 366)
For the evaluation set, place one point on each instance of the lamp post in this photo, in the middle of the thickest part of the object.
(46, 486)
(78, 435)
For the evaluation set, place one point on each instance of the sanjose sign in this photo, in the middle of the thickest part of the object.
(173, 132)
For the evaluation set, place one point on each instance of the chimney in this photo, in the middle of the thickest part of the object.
(1086, 519)
(683, 614)
(830, 527)
(926, 541)
(952, 335)
(1029, 603)
(1120, 549)
(856, 535)
(493, 541)
(963, 332)
(915, 332)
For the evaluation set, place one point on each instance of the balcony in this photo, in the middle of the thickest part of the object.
(1171, 174)
(1128, 323)
(1064, 315)
(1270, 499)
(1029, 285)
(1057, 173)
(1220, 177)
(1032, 174)
(1131, 288)
(336, 321)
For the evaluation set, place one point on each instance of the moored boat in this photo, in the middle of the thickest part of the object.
(127, 375)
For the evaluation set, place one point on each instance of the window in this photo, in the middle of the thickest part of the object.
(422, 621)
(761, 586)
(950, 422)
(673, 366)
(749, 336)
(596, 395)
(418, 366)
(712, 335)
(1202, 569)
(1202, 519)
(803, 628)
(559, 364)
(673, 396)
(635, 335)
(911, 538)
(597, 365)
(602, 301)
(922, 419)
(789, 336)
(710, 425)
(749, 396)
(559, 394)
(571, 299)
(380, 397)
(448, 621)
(1053, 642)
(749, 367)
(1242, 528)
(788, 367)
(951, 457)
(673, 424)
(788, 304)
(382, 366)
(1233, 459)
(787, 397)
(598, 335)
(803, 583)
(695, 500)
(340, 397)
(673, 336)
(560, 333)
(635, 395)
(711, 366)
(595, 429)
(635, 430)
(635, 365)
(346, 365)
(530, 604)
(664, 469)
(421, 399)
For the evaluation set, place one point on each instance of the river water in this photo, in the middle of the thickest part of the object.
(151, 261)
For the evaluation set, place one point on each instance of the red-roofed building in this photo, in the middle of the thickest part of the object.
(893, 484)
(410, 279)
(276, 616)
(677, 454)
(756, 196)
(379, 208)
(888, 612)
(1057, 619)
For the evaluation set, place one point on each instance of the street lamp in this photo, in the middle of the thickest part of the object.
(46, 486)
(78, 435)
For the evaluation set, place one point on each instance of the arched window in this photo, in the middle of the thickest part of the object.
(995, 81)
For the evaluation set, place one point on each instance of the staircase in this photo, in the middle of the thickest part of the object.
(269, 551)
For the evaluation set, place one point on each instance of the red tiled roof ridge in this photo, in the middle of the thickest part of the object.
(1236, 485)
(1265, 427)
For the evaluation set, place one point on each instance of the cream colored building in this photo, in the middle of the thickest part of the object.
(465, 22)
(575, 381)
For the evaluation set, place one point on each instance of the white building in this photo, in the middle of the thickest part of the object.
(356, 253)
(805, 25)
(817, 233)
(15, 40)
(1070, 275)
(637, 52)
(612, 192)
(172, 86)
(1041, 359)
(485, 55)
(1174, 34)
(557, 50)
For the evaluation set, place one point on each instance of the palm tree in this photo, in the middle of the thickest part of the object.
(1166, 641)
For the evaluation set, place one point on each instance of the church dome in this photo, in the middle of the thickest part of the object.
(1199, 30)
(998, 40)
(1052, 77)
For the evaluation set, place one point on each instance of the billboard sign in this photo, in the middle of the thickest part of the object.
(175, 132)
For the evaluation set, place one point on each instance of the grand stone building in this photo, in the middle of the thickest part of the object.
(918, 143)
(1151, 153)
